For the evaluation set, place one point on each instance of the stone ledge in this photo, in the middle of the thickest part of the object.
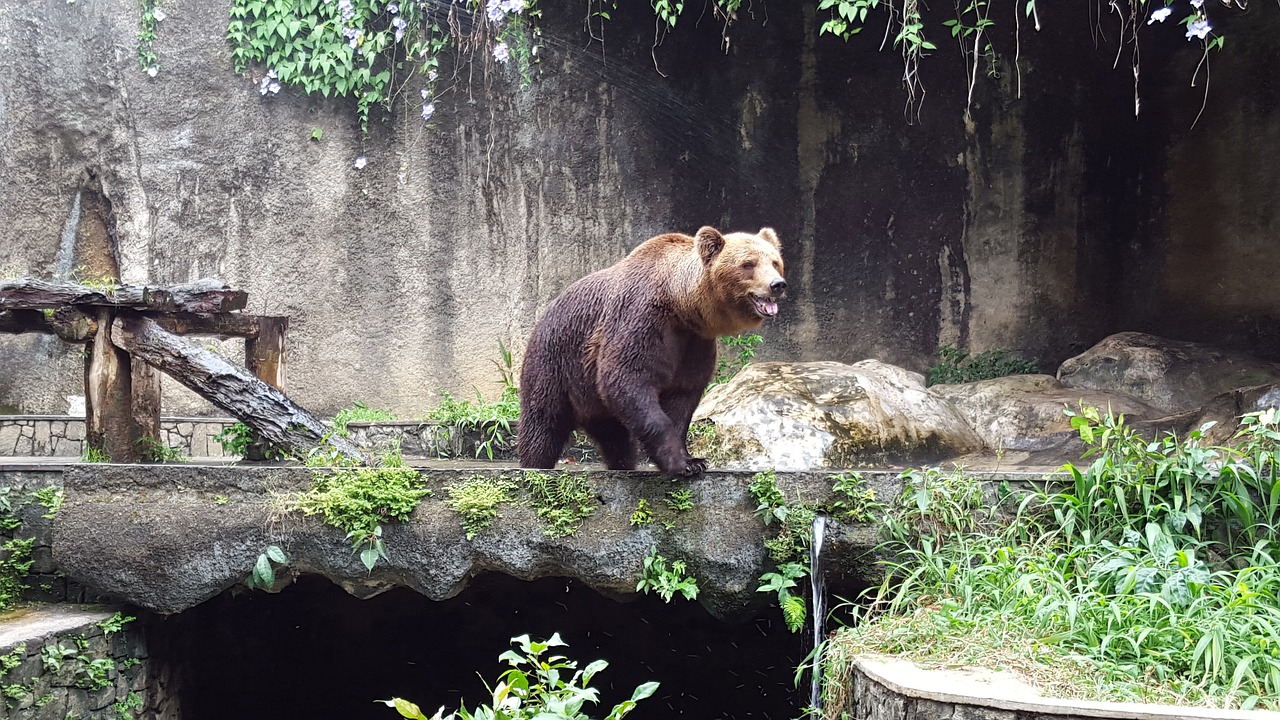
(1002, 691)
(33, 624)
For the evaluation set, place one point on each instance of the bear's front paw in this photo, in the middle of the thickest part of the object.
(682, 466)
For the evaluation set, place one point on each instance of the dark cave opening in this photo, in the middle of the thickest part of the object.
(312, 650)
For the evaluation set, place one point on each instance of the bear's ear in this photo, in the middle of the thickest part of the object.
(771, 237)
(709, 243)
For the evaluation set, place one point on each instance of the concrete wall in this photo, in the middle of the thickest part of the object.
(1046, 222)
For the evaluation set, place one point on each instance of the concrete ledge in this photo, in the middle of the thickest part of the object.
(978, 692)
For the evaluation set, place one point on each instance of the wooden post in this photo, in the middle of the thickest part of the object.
(145, 405)
(108, 397)
(264, 357)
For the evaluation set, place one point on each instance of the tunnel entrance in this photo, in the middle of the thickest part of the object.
(312, 650)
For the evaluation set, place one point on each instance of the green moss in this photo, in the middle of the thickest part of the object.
(562, 500)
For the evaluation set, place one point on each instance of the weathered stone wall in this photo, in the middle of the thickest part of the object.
(69, 661)
(1049, 220)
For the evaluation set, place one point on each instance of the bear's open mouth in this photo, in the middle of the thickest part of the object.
(765, 306)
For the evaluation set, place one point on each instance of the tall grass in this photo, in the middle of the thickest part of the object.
(1150, 574)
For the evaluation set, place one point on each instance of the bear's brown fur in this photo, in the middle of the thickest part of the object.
(625, 353)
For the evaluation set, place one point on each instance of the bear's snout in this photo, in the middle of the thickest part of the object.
(778, 288)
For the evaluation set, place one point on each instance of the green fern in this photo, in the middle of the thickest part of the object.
(794, 612)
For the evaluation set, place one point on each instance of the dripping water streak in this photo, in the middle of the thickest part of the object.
(67, 248)
(817, 584)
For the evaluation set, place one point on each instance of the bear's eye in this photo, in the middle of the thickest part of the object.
(749, 265)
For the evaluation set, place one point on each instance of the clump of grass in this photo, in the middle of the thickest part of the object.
(358, 500)
(477, 500)
(1150, 575)
(358, 412)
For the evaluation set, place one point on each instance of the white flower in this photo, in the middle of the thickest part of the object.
(1199, 28)
(426, 93)
(393, 8)
(151, 71)
(432, 75)
(517, 6)
(501, 53)
(1197, 3)
(428, 110)
(1160, 15)
(361, 162)
(274, 88)
(158, 14)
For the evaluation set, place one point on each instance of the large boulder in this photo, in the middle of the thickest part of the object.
(1026, 412)
(801, 416)
(1172, 375)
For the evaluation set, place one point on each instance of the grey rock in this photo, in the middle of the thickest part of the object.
(1026, 412)
(802, 416)
(1171, 375)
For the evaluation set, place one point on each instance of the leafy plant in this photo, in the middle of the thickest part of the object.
(562, 500)
(477, 500)
(358, 500)
(492, 420)
(95, 674)
(855, 502)
(12, 659)
(536, 688)
(52, 656)
(263, 574)
(658, 576)
(123, 709)
(115, 623)
(736, 352)
(236, 439)
(358, 412)
(50, 498)
(680, 500)
(156, 451)
(15, 564)
(793, 606)
(956, 366)
(643, 515)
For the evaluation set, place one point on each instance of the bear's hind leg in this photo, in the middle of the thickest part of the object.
(617, 448)
(542, 433)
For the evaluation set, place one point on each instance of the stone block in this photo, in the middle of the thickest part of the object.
(53, 706)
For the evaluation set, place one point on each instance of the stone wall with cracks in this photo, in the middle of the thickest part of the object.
(1046, 219)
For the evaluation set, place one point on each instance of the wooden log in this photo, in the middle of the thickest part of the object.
(108, 397)
(202, 296)
(73, 325)
(271, 414)
(66, 322)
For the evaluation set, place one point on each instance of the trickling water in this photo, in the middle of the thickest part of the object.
(62, 266)
(817, 584)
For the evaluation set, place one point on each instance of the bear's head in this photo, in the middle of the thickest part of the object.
(743, 274)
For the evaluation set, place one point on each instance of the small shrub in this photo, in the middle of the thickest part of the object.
(236, 439)
(115, 623)
(15, 563)
(665, 579)
(956, 366)
(551, 688)
(642, 515)
(736, 352)
(359, 500)
(50, 498)
(680, 500)
(263, 574)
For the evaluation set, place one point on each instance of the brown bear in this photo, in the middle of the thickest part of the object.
(625, 353)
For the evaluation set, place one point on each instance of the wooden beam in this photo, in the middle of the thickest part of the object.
(264, 357)
(108, 397)
(202, 296)
(73, 325)
(272, 415)
(144, 406)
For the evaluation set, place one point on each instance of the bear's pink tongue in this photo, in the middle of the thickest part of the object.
(769, 307)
